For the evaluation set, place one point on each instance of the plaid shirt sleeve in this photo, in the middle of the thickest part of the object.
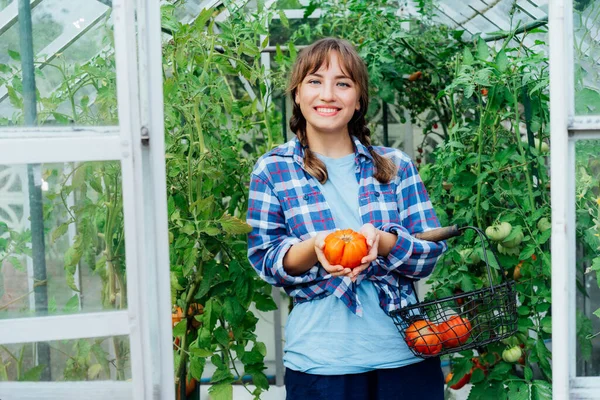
(269, 240)
(412, 257)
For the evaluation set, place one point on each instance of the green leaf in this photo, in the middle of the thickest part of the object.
(58, 232)
(188, 229)
(223, 391)
(467, 57)
(482, 50)
(460, 368)
(597, 313)
(252, 357)
(528, 373)
(518, 390)
(234, 225)
(222, 336)
(210, 230)
(70, 280)
(197, 365)
(466, 283)
(14, 55)
(500, 370)
(546, 324)
(233, 311)
(34, 374)
(260, 380)
(14, 98)
(283, 18)
(261, 348)
(264, 302)
(527, 252)
(541, 390)
(180, 328)
(94, 371)
(222, 374)
(203, 18)
(501, 61)
(477, 376)
(72, 304)
(16, 263)
(312, 6)
(587, 101)
(205, 353)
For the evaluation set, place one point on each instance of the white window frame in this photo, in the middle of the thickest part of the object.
(566, 129)
(138, 143)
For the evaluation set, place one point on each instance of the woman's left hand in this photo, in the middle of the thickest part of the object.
(372, 235)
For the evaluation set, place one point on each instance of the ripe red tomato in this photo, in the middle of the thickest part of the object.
(455, 331)
(190, 386)
(346, 248)
(461, 382)
(415, 75)
(423, 337)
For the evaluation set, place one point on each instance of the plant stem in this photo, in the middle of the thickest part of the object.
(188, 300)
(517, 117)
(5, 306)
(482, 117)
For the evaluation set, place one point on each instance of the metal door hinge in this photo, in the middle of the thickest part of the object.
(145, 136)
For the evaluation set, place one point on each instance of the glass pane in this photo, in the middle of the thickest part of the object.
(67, 360)
(4, 4)
(588, 257)
(586, 30)
(74, 66)
(81, 265)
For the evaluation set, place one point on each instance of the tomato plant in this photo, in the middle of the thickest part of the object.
(346, 248)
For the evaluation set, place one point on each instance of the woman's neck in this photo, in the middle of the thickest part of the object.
(331, 145)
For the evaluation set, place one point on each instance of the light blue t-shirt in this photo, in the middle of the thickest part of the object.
(322, 336)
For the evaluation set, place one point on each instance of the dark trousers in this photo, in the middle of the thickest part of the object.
(421, 381)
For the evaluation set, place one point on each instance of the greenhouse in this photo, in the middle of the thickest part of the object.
(164, 232)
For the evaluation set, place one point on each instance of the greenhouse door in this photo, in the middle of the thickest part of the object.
(84, 265)
(575, 168)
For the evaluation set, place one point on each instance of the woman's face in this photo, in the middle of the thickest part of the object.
(328, 99)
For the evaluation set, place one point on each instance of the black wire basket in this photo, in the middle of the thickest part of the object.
(464, 321)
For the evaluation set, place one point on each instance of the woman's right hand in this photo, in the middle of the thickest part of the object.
(334, 270)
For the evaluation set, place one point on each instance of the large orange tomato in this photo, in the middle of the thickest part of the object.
(346, 248)
(423, 337)
(455, 331)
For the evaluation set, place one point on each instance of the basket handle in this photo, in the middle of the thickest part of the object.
(438, 234)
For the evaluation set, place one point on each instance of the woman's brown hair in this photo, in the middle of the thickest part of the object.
(309, 60)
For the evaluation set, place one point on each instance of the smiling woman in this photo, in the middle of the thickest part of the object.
(340, 341)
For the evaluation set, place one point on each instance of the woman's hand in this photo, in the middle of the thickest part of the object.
(334, 270)
(372, 235)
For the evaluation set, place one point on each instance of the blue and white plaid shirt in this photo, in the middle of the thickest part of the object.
(286, 207)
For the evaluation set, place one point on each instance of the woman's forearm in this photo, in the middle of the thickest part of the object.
(387, 241)
(300, 257)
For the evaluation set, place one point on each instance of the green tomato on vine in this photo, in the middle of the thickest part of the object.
(498, 232)
(514, 242)
(512, 355)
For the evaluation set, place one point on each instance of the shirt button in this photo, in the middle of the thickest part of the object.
(306, 197)
(376, 194)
